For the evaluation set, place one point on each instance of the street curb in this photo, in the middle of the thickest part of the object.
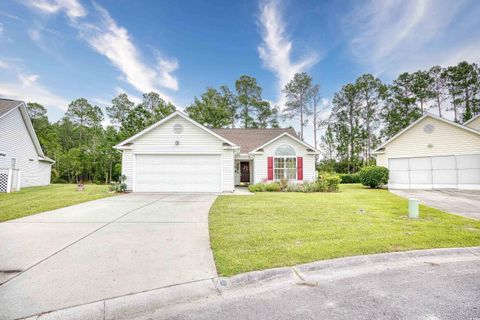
(146, 303)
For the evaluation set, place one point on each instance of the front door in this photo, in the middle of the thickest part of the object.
(244, 172)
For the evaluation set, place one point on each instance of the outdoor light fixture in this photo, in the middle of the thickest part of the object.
(177, 142)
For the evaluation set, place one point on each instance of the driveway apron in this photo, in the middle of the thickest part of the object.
(103, 249)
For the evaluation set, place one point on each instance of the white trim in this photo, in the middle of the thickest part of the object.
(437, 155)
(420, 119)
(315, 151)
(176, 152)
(175, 113)
(468, 121)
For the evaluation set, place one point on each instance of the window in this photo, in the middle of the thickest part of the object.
(285, 163)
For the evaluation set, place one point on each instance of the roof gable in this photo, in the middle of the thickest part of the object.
(177, 113)
(251, 139)
(473, 123)
(7, 106)
(294, 138)
(419, 120)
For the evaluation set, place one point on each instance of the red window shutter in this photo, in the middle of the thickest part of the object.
(299, 168)
(270, 168)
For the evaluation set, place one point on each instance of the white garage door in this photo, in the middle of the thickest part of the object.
(442, 172)
(177, 173)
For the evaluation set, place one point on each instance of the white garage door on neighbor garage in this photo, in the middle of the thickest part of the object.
(441, 172)
(178, 173)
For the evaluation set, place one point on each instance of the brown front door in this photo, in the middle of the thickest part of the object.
(244, 172)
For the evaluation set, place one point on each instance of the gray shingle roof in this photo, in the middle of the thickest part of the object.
(6, 105)
(250, 139)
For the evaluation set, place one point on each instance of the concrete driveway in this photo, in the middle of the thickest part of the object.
(464, 203)
(104, 248)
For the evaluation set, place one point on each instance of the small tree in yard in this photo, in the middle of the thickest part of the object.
(373, 176)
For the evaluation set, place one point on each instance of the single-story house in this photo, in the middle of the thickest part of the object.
(22, 161)
(177, 154)
(433, 153)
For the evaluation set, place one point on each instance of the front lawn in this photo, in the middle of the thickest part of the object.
(32, 200)
(282, 229)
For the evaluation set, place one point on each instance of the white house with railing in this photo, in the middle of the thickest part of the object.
(22, 161)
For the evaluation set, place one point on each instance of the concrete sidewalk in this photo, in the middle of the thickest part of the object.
(103, 249)
(435, 284)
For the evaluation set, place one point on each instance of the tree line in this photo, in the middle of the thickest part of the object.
(364, 113)
(368, 112)
(82, 146)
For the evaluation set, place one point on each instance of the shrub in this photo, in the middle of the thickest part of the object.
(119, 186)
(309, 187)
(373, 176)
(265, 187)
(349, 178)
(273, 187)
(328, 182)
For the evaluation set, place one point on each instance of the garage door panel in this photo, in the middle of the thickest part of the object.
(440, 163)
(177, 173)
(468, 161)
(420, 164)
(398, 164)
(400, 177)
(445, 177)
(469, 176)
(421, 177)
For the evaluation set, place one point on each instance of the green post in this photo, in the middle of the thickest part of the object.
(413, 208)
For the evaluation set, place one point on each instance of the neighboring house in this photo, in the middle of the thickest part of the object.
(474, 123)
(178, 154)
(22, 162)
(433, 153)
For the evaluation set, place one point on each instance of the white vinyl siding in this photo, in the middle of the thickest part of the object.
(191, 141)
(446, 139)
(16, 142)
(260, 160)
(127, 168)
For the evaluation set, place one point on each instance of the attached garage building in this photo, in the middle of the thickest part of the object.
(433, 153)
(177, 154)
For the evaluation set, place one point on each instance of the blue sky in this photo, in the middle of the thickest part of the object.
(54, 51)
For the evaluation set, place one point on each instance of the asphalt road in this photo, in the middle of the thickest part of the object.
(426, 291)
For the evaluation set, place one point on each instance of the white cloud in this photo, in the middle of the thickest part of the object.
(276, 47)
(106, 37)
(26, 87)
(72, 8)
(1, 28)
(3, 65)
(115, 43)
(395, 36)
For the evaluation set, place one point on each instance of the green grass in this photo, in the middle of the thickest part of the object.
(282, 229)
(33, 200)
